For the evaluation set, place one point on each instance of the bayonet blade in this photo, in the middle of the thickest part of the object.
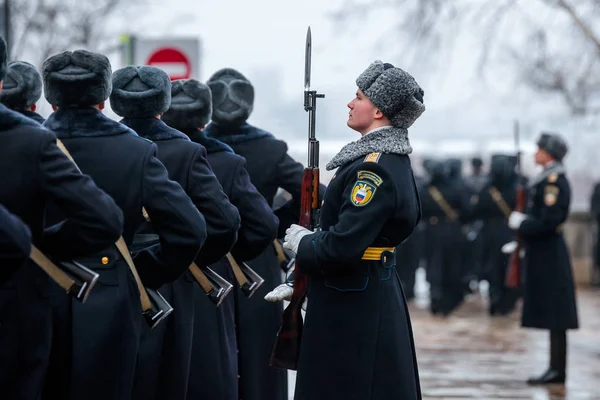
(307, 55)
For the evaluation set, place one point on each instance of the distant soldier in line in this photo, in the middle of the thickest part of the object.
(493, 205)
(214, 364)
(102, 336)
(444, 207)
(22, 89)
(269, 167)
(35, 174)
(141, 94)
(549, 292)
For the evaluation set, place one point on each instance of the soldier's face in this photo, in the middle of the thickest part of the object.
(542, 157)
(362, 113)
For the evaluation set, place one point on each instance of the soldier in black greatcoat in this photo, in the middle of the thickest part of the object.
(22, 89)
(493, 205)
(269, 167)
(141, 94)
(105, 331)
(34, 173)
(357, 339)
(595, 211)
(214, 367)
(549, 292)
(15, 242)
(444, 207)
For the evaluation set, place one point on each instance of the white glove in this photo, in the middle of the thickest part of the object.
(509, 248)
(293, 235)
(516, 219)
(280, 293)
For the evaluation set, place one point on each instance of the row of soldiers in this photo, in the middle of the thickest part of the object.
(178, 191)
(464, 226)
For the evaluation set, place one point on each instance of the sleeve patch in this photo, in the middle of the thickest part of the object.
(369, 176)
(362, 193)
(550, 195)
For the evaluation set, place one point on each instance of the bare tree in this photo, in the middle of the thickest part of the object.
(552, 45)
(41, 28)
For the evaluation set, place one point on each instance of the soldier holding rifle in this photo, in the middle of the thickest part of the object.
(549, 291)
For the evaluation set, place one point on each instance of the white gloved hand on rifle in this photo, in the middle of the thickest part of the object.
(293, 235)
(516, 219)
(280, 293)
(509, 248)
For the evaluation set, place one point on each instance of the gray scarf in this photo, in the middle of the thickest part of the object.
(388, 139)
(557, 168)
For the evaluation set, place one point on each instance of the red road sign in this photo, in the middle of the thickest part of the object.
(173, 61)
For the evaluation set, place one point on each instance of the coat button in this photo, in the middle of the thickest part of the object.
(104, 260)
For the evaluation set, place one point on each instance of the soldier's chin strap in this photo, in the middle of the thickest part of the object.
(121, 246)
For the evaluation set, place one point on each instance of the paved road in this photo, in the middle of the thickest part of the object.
(470, 355)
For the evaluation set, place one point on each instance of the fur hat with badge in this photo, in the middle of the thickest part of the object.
(232, 97)
(394, 92)
(3, 58)
(22, 86)
(191, 105)
(553, 144)
(140, 92)
(76, 78)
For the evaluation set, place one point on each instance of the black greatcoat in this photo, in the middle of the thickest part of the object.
(214, 371)
(357, 342)
(549, 292)
(494, 234)
(446, 243)
(34, 172)
(165, 354)
(15, 240)
(258, 321)
(105, 331)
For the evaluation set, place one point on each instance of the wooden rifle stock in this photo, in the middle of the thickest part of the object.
(287, 348)
(513, 275)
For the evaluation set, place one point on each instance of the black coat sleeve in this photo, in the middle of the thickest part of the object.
(554, 210)
(15, 241)
(259, 224)
(289, 176)
(222, 217)
(92, 219)
(178, 223)
(357, 226)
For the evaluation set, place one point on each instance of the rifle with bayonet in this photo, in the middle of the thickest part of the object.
(513, 275)
(287, 346)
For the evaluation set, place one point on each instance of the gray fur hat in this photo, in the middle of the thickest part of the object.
(553, 144)
(232, 97)
(191, 105)
(22, 85)
(78, 78)
(3, 58)
(394, 92)
(140, 92)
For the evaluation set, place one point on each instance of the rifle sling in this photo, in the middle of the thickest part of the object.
(57, 274)
(441, 201)
(500, 202)
(279, 251)
(122, 247)
(237, 271)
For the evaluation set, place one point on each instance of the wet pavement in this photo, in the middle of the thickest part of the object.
(470, 355)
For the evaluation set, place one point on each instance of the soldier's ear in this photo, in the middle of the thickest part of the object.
(33, 107)
(378, 113)
(101, 106)
(54, 108)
